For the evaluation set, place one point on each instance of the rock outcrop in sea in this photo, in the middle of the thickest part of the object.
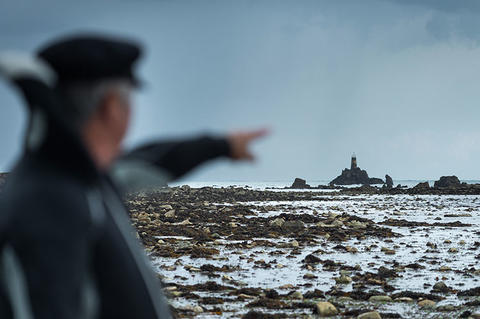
(447, 181)
(355, 175)
(299, 183)
(388, 181)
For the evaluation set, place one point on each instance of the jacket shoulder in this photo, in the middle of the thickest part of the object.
(45, 198)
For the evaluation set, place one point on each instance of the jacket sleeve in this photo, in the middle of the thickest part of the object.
(179, 157)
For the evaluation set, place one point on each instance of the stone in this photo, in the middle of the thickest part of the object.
(344, 299)
(369, 315)
(388, 181)
(387, 251)
(294, 244)
(351, 249)
(185, 222)
(384, 272)
(440, 287)
(422, 185)
(403, 299)
(325, 309)
(309, 276)
(447, 182)
(277, 222)
(380, 299)
(446, 308)
(293, 225)
(343, 279)
(299, 183)
(296, 295)
(445, 268)
(197, 309)
(426, 303)
(170, 214)
(357, 224)
(474, 316)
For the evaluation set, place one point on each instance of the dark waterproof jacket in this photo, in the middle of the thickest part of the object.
(68, 249)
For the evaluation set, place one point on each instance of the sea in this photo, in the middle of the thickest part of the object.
(262, 185)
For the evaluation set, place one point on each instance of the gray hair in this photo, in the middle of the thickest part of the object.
(82, 99)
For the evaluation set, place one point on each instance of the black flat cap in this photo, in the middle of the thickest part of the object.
(87, 58)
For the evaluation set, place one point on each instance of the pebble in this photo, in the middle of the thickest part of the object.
(294, 243)
(426, 303)
(343, 279)
(387, 251)
(352, 250)
(293, 225)
(296, 295)
(197, 309)
(309, 276)
(380, 299)
(441, 287)
(277, 222)
(170, 214)
(357, 225)
(404, 299)
(287, 286)
(326, 309)
(344, 299)
(369, 315)
(446, 308)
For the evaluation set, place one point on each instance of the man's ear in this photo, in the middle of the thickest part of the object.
(106, 108)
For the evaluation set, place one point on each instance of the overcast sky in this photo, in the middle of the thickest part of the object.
(396, 82)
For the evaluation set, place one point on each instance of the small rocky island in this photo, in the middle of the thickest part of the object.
(355, 175)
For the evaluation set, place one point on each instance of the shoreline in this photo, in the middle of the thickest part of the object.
(238, 252)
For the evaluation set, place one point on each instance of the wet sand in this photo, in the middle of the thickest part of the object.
(234, 252)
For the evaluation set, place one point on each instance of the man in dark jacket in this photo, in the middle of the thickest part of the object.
(67, 247)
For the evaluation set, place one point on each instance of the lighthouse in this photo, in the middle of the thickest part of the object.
(353, 164)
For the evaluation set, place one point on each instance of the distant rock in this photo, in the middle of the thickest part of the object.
(422, 185)
(388, 181)
(447, 181)
(355, 175)
(299, 183)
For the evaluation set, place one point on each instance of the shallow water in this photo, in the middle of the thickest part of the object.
(410, 247)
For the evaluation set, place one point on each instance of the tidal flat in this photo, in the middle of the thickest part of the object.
(238, 252)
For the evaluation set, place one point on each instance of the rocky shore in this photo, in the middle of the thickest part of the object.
(367, 252)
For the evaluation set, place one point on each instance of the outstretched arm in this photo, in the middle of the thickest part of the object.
(179, 157)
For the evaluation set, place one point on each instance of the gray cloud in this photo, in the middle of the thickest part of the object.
(394, 82)
(450, 20)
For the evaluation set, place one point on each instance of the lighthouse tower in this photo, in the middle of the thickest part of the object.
(353, 164)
